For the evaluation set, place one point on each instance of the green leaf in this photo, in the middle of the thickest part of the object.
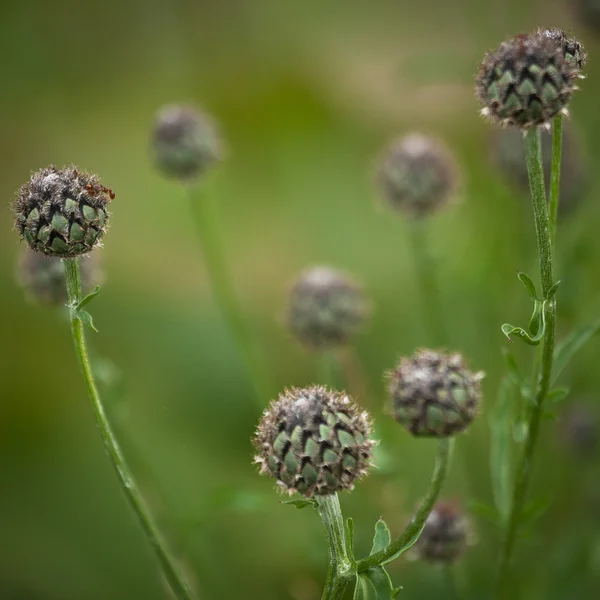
(528, 285)
(513, 369)
(350, 537)
(364, 590)
(374, 584)
(557, 394)
(552, 291)
(301, 503)
(535, 322)
(88, 298)
(520, 429)
(565, 351)
(85, 318)
(485, 511)
(382, 537)
(534, 510)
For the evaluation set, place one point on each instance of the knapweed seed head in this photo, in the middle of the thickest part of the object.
(185, 142)
(325, 308)
(445, 536)
(417, 176)
(526, 82)
(434, 394)
(572, 48)
(62, 212)
(314, 441)
(43, 279)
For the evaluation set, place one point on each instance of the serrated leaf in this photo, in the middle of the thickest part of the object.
(528, 285)
(382, 537)
(88, 298)
(85, 318)
(350, 537)
(565, 351)
(557, 395)
(301, 503)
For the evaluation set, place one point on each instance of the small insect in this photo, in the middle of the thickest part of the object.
(108, 191)
(90, 189)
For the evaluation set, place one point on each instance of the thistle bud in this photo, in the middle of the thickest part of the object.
(314, 441)
(43, 278)
(573, 49)
(508, 153)
(325, 308)
(62, 212)
(434, 394)
(417, 176)
(526, 82)
(185, 142)
(445, 536)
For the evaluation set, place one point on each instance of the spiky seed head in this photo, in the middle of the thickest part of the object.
(325, 308)
(572, 48)
(445, 536)
(43, 279)
(581, 429)
(417, 175)
(185, 142)
(526, 81)
(62, 212)
(314, 441)
(508, 153)
(434, 394)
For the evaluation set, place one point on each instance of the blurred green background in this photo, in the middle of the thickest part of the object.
(307, 93)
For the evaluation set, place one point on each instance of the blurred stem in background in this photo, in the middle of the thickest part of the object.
(169, 564)
(557, 128)
(540, 389)
(207, 223)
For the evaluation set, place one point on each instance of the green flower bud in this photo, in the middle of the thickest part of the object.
(508, 153)
(526, 82)
(314, 441)
(417, 176)
(326, 308)
(446, 535)
(62, 212)
(43, 278)
(434, 394)
(185, 142)
(573, 49)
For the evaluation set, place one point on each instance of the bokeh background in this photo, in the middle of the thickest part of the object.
(306, 93)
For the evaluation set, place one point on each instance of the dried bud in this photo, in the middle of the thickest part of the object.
(325, 308)
(314, 441)
(572, 48)
(434, 394)
(508, 153)
(526, 82)
(62, 212)
(417, 176)
(185, 142)
(445, 536)
(43, 278)
(580, 429)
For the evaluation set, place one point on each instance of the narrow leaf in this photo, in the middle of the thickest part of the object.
(85, 318)
(528, 285)
(552, 291)
(89, 297)
(374, 584)
(365, 590)
(302, 503)
(485, 511)
(382, 537)
(568, 347)
(558, 394)
(535, 322)
(508, 330)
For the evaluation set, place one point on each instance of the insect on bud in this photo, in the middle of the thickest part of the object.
(434, 394)
(314, 441)
(185, 142)
(62, 212)
(417, 176)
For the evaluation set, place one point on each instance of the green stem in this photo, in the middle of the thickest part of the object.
(414, 528)
(171, 570)
(341, 569)
(452, 586)
(331, 375)
(536, 179)
(206, 218)
(557, 128)
(429, 293)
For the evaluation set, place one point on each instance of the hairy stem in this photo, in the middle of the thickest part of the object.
(341, 569)
(557, 128)
(207, 224)
(414, 528)
(170, 567)
(536, 179)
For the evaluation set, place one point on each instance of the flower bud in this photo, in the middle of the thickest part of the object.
(573, 49)
(185, 142)
(434, 394)
(325, 308)
(43, 278)
(445, 536)
(526, 81)
(314, 441)
(417, 176)
(62, 212)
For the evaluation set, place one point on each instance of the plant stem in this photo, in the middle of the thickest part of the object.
(206, 218)
(557, 128)
(451, 585)
(171, 570)
(341, 569)
(414, 528)
(536, 179)
(431, 303)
